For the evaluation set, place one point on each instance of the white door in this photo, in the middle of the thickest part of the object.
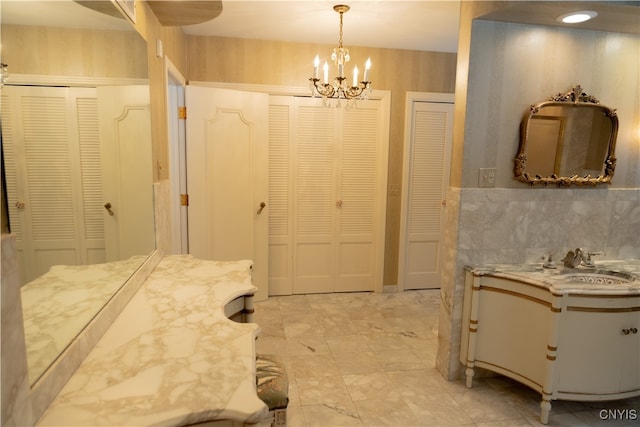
(327, 180)
(227, 177)
(125, 139)
(362, 196)
(52, 160)
(315, 197)
(427, 156)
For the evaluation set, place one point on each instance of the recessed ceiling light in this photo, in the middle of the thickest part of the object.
(576, 17)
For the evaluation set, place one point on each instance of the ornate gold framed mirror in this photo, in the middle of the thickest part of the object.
(567, 140)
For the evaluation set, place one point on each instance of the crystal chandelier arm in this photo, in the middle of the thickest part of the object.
(325, 90)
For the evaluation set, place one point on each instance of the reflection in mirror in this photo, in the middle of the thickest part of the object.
(567, 140)
(69, 149)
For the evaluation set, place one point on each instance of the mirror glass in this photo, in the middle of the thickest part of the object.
(569, 139)
(76, 142)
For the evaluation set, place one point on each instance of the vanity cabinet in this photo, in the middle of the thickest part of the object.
(565, 344)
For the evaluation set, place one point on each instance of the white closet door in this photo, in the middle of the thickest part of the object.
(52, 195)
(327, 180)
(361, 199)
(280, 188)
(315, 197)
(427, 160)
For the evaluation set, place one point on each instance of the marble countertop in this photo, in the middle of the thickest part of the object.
(559, 280)
(171, 357)
(58, 304)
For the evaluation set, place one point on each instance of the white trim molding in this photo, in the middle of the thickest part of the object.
(76, 81)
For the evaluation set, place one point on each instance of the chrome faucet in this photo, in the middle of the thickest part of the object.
(577, 257)
(573, 259)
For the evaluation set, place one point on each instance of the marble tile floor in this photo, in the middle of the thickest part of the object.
(366, 359)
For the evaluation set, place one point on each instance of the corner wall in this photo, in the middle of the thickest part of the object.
(511, 66)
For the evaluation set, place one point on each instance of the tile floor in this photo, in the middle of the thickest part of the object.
(364, 359)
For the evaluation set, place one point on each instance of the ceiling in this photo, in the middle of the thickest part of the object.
(416, 25)
(430, 25)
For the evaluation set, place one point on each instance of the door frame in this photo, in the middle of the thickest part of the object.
(411, 98)
(177, 158)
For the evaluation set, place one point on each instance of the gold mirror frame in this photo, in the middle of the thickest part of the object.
(576, 98)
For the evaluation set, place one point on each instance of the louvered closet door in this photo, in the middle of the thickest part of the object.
(427, 159)
(280, 186)
(327, 175)
(54, 198)
(361, 196)
(314, 197)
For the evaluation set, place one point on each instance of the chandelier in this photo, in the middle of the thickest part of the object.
(340, 87)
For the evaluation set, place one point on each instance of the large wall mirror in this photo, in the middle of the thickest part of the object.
(568, 140)
(76, 142)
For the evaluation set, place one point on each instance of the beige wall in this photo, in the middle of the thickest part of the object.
(291, 64)
(73, 52)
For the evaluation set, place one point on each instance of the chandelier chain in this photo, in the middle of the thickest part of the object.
(340, 34)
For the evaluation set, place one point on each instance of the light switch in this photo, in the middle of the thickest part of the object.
(487, 178)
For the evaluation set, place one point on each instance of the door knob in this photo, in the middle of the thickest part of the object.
(107, 206)
(262, 206)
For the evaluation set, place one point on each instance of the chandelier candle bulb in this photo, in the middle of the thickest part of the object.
(355, 75)
(325, 68)
(366, 69)
(316, 63)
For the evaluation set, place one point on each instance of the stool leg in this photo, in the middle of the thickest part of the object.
(280, 417)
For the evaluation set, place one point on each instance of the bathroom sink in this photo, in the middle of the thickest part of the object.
(601, 277)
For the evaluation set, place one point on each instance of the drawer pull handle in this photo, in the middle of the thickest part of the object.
(630, 331)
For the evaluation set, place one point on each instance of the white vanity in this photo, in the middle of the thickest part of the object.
(571, 334)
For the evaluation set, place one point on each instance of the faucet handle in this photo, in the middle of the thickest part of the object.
(548, 261)
(587, 261)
